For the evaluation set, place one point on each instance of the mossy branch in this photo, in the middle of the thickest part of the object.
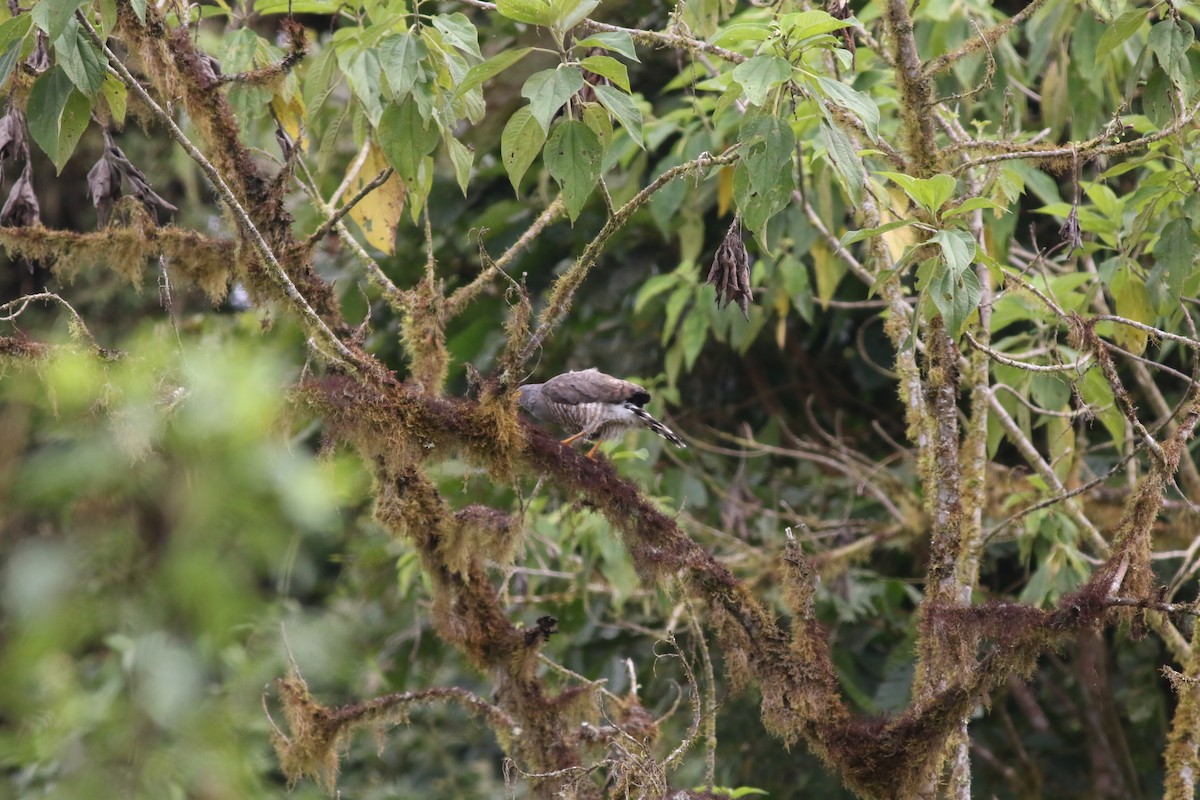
(984, 41)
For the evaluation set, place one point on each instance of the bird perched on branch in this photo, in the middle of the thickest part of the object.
(598, 405)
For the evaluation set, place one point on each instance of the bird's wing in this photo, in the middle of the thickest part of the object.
(592, 386)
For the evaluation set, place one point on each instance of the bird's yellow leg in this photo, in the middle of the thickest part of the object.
(570, 439)
(592, 453)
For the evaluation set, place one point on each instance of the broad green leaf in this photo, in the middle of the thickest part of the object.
(520, 144)
(531, 12)
(459, 32)
(319, 81)
(851, 237)
(654, 287)
(692, 335)
(573, 155)
(958, 249)
(1170, 40)
(8, 61)
(406, 138)
(857, 103)
(973, 204)
(954, 296)
(608, 67)
(462, 157)
(549, 90)
(569, 13)
(52, 16)
(758, 75)
(929, 193)
(624, 109)
(1120, 29)
(80, 59)
(365, 76)
(811, 23)
(139, 10)
(489, 69)
(596, 117)
(58, 115)
(14, 30)
(615, 42)
(846, 161)
(740, 32)
(1096, 392)
(400, 57)
(1175, 252)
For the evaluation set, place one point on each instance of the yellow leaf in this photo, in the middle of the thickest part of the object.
(291, 115)
(829, 271)
(377, 214)
(897, 240)
(1132, 302)
(724, 191)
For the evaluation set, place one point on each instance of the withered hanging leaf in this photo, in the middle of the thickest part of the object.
(21, 208)
(1070, 232)
(39, 59)
(104, 185)
(104, 182)
(730, 273)
(14, 139)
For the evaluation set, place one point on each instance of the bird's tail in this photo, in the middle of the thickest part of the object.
(656, 426)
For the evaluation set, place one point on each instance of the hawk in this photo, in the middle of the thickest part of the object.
(598, 405)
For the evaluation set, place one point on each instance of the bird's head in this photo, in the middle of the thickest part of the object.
(531, 397)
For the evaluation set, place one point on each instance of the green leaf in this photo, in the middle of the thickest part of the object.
(80, 59)
(608, 67)
(596, 117)
(549, 90)
(489, 69)
(1120, 29)
(929, 193)
(52, 16)
(365, 75)
(654, 287)
(846, 161)
(8, 61)
(958, 249)
(531, 12)
(319, 81)
(758, 75)
(811, 23)
(615, 42)
(623, 108)
(459, 32)
(739, 32)
(14, 30)
(298, 7)
(573, 155)
(520, 144)
(139, 10)
(1170, 40)
(851, 237)
(1175, 252)
(406, 138)
(973, 204)
(954, 296)
(569, 13)
(58, 115)
(400, 57)
(462, 157)
(692, 335)
(857, 103)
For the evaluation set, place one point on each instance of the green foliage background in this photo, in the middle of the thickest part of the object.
(179, 530)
